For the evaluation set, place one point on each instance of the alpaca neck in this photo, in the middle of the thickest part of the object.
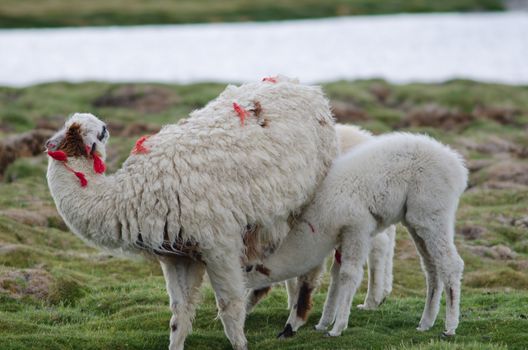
(86, 210)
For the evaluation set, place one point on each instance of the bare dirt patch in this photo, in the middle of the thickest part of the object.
(381, 92)
(472, 232)
(504, 115)
(26, 217)
(34, 283)
(494, 145)
(433, 115)
(27, 144)
(475, 165)
(144, 99)
(497, 252)
(509, 172)
(347, 112)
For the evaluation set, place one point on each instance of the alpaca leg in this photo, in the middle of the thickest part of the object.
(291, 289)
(434, 283)
(330, 305)
(183, 278)
(254, 297)
(355, 244)
(376, 271)
(301, 308)
(226, 276)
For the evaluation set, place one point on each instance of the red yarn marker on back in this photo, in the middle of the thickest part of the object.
(270, 79)
(242, 113)
(139, 148)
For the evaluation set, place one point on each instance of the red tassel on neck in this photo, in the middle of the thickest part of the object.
(58, 155)
(98, 164)
(82, 178)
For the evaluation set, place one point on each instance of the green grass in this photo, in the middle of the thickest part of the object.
(60, 13)
(96, 301)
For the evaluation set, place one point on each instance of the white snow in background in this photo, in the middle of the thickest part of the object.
(400, 48)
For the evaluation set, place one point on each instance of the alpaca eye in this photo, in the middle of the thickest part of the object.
(102, 134)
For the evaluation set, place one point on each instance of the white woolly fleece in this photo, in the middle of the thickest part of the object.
(207, 177)
(393, 178)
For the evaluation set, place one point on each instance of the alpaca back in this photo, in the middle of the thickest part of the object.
(380, 175)
(208, 177)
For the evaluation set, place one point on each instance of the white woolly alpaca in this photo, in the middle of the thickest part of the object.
(250, 157)
(393, 178)
(379, 260)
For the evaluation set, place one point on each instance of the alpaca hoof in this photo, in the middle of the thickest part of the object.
(320, 328)
(422, 328)
(366, 307)
(287, 332)
(332, 334)
(448, 334)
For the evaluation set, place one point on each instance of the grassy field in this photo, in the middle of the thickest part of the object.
(60, 13)
(56, 293)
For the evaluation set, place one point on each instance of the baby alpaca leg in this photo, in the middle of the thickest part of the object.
(226, 276)
(449, 266)
(434, 283)
(303, 302)
(377, 274)
(329, 310)
(355, 244)
(437, 238)
(183, 278)
(388, 279)
(254, 297)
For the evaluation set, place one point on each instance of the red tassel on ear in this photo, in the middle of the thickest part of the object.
(98, 164)
(82, 178)
(58, 155)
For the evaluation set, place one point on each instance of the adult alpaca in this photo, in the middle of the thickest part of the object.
(394, 178)
(186, 195)
(379, 260)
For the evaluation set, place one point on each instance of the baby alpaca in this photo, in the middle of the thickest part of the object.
(379, 261)
(397, 177)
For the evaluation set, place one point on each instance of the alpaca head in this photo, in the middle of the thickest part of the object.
(83, 135)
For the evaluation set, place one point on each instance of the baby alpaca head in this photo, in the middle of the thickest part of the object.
(83, 135)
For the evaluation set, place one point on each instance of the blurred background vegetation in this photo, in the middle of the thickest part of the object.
(61, 13)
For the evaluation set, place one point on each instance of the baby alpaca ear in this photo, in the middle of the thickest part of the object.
(73, 144)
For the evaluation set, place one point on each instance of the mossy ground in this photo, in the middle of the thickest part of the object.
(95, 301)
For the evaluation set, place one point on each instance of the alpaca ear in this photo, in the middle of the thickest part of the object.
(53, 143)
